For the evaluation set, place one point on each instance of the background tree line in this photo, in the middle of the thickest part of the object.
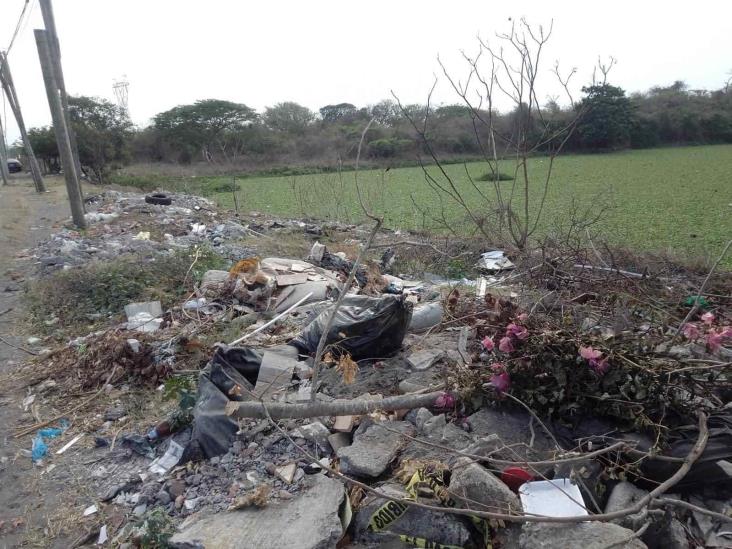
(287, 134)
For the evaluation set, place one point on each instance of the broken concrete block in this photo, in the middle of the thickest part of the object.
(316, 253)
(286, 472)
(392, 520)
(339, 440)
(473, 482)
(513, 429)
(275, 372)
(424, 359)
(582, 535)
(373, 450)
(315, 432)
(624, 495)
(344, 424)
(309, 521)
(212, 282)
(291, 279)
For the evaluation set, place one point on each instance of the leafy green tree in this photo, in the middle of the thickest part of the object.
(103, 133)
(43, 141)
(288, 117)
(206, 125)
(607, 119)
(342, 112)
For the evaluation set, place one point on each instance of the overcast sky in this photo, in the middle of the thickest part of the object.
(319, 52)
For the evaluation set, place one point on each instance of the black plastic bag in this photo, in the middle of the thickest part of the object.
(213, 430)
(365, 327)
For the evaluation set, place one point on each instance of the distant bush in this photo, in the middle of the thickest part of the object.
(490, 176)
(386, 148)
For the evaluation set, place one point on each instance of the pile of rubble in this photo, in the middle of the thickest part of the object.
(480, 413)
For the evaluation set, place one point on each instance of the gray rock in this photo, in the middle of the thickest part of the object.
(424, 359)
(473, 482)
(176, 488)
(339, 440)
(625, 495)
(393, 520)
(163, 497)
(309, 521)
(417, 381)
(374, 449)
(315, 432)
(584, 535)
(512, 428)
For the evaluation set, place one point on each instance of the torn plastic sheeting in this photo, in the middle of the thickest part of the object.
(321, 291)
(365, 327)
(230, 367)
(710, 469)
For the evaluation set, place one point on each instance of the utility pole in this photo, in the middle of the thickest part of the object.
(4, 172)
(6, 79)
(50, 23)
(60, 128)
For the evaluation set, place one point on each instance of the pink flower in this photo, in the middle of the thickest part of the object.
(588, 353)
(707, 318)
(505, 345)
(691, 331)
(445, 401)
(519, 332)
(599, 366)
(715, 338)
(488, 344)
(501, 382)
(522, 317)
(498, 367)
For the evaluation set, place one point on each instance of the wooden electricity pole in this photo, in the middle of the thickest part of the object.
(60, 128)
(4, 172)
(50, 23)
(6, 79)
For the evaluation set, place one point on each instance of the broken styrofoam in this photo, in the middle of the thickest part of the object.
(495, 261)
(552, 498)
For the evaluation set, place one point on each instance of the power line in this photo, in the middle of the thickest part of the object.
(18, 25)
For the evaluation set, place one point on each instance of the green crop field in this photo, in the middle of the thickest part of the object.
(672, 199)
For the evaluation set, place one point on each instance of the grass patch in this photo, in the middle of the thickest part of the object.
(98, 291)
(669, 200)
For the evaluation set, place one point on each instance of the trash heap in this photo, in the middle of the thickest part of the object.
(536, 405)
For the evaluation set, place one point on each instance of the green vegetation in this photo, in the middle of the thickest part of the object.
(80, 295)
(673, 199)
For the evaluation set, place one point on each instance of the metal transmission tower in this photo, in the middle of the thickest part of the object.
(121, 88)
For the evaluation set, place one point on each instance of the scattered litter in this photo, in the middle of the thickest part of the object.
(102, 535)
(167, 461)
(287, 472)
(69, 444)
(495, 261)
(39, 447)
(144, 317)
(142, 235)
(90, 510)
(198, 229)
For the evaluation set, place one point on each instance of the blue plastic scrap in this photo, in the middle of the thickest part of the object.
(39, 448)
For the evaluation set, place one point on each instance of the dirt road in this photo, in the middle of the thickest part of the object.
(25, 218)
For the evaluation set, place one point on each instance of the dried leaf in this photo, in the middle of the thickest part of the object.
(258, 498)
(348, 368)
